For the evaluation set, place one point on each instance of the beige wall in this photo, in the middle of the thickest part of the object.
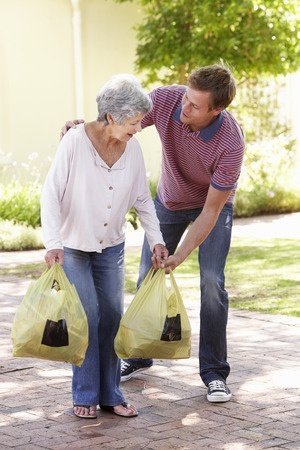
(109, 47)
(37, 70)
(36, 78)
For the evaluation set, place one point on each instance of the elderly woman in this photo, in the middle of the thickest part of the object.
(97, 175)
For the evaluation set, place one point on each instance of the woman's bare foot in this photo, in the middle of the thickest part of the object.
(85, 411)
(123, 410)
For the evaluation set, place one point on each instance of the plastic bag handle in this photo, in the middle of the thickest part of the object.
(174, 285)
(149, 276)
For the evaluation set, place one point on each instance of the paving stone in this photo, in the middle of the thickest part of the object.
(129, 443)
(35, 395)
(10, 441)
(294, 445)
(271, 443)
(32, 447)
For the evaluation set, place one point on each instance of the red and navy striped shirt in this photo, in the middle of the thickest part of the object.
(192, 161)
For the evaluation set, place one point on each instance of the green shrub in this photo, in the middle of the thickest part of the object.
(19, 237)
(266, 185)
(256, 203)
(153, 188)
(131, 216)
(21, 202)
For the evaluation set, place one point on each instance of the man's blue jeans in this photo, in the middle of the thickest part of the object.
(99, 280)
(214, 299)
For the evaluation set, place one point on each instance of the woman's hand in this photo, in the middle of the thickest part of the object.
(54, 256)
(68, 125)
(160, 253)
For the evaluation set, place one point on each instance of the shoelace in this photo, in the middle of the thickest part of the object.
(217, 385)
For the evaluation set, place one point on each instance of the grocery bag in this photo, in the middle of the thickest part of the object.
(155, 324)
(50, 322)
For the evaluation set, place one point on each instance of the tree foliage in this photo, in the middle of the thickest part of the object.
(254, 37)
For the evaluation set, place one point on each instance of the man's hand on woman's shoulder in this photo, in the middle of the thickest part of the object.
(70, 124)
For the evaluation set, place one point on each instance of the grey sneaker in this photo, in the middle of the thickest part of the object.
(128, 369)
(218, 391)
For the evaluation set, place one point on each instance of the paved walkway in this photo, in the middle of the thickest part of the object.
(264, 412)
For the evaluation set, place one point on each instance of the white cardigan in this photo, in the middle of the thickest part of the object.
(84, 201)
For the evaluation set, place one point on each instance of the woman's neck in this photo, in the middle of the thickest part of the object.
(101, 132)
(108, 147)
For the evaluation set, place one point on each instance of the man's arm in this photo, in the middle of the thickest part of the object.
(201, 228)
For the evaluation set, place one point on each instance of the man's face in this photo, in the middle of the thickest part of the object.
(196, 109)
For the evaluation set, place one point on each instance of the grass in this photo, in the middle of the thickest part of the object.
(30, 270)
(261, 275)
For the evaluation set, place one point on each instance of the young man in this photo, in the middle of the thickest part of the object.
(203, 148)
(202, 152)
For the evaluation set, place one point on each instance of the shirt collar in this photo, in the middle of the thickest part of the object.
(206, 133)
(119, 165)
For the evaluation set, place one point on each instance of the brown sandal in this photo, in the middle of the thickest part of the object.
(125, 405)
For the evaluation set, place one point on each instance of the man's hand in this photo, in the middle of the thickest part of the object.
(54, 256)
(70, 124)
(171, 263)
(160, 253)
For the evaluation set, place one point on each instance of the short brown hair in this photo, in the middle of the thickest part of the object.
(216, 79)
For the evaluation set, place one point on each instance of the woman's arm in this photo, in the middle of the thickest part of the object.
(51, 199)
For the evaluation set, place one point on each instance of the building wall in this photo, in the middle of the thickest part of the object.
(37, 70)
(108, 47)
(36, 77)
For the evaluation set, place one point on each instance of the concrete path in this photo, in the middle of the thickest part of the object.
(264, 413)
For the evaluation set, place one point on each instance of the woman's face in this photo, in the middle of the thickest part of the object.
(128, 128)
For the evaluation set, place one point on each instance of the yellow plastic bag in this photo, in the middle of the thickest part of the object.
(155, 324)
(50, 322)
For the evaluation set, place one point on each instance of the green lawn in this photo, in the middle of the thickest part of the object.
(264, 275)
(261, 275)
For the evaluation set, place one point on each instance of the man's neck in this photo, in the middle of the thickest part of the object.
(195, 128)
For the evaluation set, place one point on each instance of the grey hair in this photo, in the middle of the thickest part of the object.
(122, 97)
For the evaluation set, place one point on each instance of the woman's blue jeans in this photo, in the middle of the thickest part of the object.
(99, 280)
(212, 256)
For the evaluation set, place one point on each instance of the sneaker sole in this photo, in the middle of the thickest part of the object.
(127, 377)
(218, 398)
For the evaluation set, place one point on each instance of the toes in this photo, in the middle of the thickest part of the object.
(125, 410)
(131, 409)
(93, 410)
(82, 411)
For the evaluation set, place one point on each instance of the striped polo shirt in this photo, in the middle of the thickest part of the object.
(192, 161)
